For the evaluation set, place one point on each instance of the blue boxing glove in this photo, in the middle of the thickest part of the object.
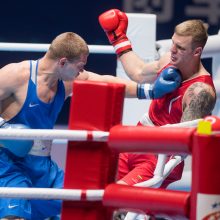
(19, 148)
(168, 80)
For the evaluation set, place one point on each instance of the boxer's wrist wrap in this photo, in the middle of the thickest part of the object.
(124, 52)
(145, 91)
(122, 46)
(2, 121)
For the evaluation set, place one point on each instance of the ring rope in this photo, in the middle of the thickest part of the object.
(51, 193)
(210, 50)
(49, 134)
(44, 47)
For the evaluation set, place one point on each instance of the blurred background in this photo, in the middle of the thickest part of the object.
(40, 21)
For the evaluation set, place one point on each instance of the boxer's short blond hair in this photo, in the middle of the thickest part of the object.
(195, 28)
(69, 45)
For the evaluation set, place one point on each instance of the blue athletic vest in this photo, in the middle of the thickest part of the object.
(35, 113)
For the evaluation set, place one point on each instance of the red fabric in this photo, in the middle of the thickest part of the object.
(135, 168)
(167, 110)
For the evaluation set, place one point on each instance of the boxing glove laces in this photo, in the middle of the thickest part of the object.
(115, 22)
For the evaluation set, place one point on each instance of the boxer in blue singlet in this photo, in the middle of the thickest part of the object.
(38, 170)
(32, 94)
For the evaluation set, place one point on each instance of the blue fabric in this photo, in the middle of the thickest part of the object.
(32, 171)
(37, 114)
(12, 175)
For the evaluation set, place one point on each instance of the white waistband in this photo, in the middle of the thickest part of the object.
(145, 120)
(41, 148)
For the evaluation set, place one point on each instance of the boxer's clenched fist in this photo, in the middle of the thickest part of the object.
(115, 23)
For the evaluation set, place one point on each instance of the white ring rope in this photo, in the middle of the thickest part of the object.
(210, 49)
(74, 135)
(31, 47)
(49, 193)
(50, 134)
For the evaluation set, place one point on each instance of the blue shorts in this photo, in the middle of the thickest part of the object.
(31, 171)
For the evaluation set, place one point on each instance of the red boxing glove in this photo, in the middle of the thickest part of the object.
(115, 23)
(215, 122)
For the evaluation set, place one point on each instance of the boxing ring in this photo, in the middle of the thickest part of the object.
(89, 190)
(95, 143)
